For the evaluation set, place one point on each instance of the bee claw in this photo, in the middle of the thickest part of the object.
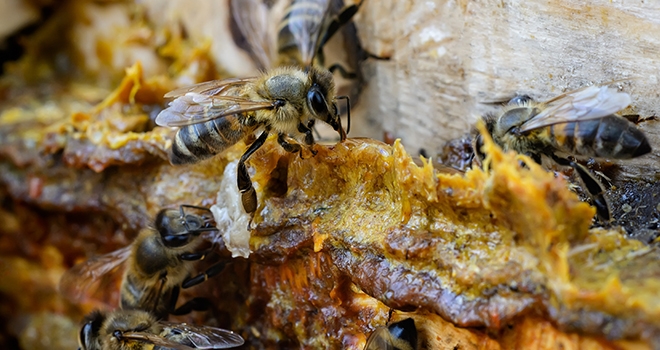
(311, 150)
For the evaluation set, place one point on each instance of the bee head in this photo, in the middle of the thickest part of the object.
(404, 330)
(90, 330)
(511, 120)
(176, 230)
(321, 99)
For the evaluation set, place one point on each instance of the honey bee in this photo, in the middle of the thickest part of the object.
(579, 123)
(157, 265)
(400, 335)
(305, 28)
(215, 115)
(312, 14)
(140, 330)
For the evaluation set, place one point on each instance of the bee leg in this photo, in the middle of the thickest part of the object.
(175, 292)
(536, 158)
(210, 272)
(174, 296)
(291, 147)
(342, 18)
(309, 136)
(310, 125)
(248, 194)
(197, 256)
(195, 304)
(342, 71)
(307, 130)
(593, 186)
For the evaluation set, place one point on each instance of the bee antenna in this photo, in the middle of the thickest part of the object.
(348, 111)
(196, 231)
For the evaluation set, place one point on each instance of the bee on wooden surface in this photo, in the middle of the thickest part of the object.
(140, 330)
(328, 17)
(297, 38)
(579, 123)
(157, 265)
(400, 335)
(214, 115)
(291, 48)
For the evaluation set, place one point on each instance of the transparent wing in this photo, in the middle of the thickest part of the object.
(251, 17)
(446, 169)
(380, 339)
(588, 103)
(83, 279)
(213, 87)
(157, 340)
(306, 21)
(203, 337)
(207, 101)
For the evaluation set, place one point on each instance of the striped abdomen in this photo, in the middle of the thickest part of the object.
(194, 143)
(608, 137)
(306, 18)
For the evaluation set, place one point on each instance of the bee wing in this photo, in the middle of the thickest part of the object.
(82, 279)
(156, 339)
(213, 87)
(380, 339)
(588, 103)
(307, 31)
(207, 101)
(251, 17)
(447, 169)
(203, 337)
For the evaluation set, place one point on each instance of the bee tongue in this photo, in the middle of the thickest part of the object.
(342, 133)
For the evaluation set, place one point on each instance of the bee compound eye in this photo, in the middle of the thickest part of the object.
(85, 335)
(520, 100)
(176, 240)
(317, 102)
